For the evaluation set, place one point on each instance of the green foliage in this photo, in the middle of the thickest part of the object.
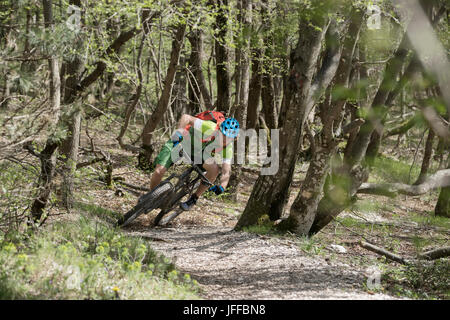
(311, 245)
(370, 205)
(97, 211)
(259, 229)
(430, 220)
(263, 227)
(391, 170)
(14, 198)
(420, 281)
(87, 260)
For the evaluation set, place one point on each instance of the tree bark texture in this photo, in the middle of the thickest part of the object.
(164, 100)
(270, 192)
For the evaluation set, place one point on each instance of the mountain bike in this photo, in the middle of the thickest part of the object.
(167, 195)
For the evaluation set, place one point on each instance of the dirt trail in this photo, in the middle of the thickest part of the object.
(239, 265)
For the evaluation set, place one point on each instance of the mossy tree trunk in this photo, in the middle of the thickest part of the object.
(366, 145)
(304, 208)
(270, 192)
(442, 208)
(427, 156)
(47, 156)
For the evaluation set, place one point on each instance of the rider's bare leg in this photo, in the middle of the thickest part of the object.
(212, 171)
(157, 176)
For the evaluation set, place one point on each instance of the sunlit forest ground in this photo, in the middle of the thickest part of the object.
(119, 266)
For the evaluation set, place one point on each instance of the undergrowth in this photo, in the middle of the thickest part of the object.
(87, 259)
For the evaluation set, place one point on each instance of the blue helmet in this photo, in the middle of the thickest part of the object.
(230, 127)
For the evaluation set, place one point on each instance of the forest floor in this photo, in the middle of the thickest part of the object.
(259, 263)
(241, 265)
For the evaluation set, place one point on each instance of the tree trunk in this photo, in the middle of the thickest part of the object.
(71, 160)
(427, 155)
(71, 144)
(180, 102)
(47, 156)
(27, 66)
(244, 63)
(48, 162)
(164, 100)
(442, 208)
(254, 95)
(196, 63)
(268, 101)
(340, 196)
(268, 109)
(352, 175)
(71, 93)
(4, 102)
(7, 35)
(131, 108)
(195, 97)
(271, 192)
(387, 92)
(222, 58)
(393, 69)
(377, 135)
(242, 82)
(304, 208)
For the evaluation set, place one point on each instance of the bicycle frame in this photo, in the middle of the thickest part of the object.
(184, 185)
(168, 199)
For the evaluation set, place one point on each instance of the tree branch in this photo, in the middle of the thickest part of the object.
(439, 125)
(404, 127)
(383, 252)
(438, 180)
(435, 254)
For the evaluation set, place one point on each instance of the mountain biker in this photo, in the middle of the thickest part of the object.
(223, 134)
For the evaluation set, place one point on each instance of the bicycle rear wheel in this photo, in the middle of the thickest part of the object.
(150, 201)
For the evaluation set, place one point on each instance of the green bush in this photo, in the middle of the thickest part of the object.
(426, 280)
(87, 260)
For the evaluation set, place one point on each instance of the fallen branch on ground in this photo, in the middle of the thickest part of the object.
(435, 254)
(428, 255)
(383, 252)
(88, 163)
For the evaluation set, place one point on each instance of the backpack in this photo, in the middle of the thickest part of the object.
(214, 116)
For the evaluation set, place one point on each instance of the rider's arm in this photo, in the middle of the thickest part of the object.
(226, 174)
(186, 120)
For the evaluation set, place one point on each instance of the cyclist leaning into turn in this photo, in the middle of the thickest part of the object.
(192, 128)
